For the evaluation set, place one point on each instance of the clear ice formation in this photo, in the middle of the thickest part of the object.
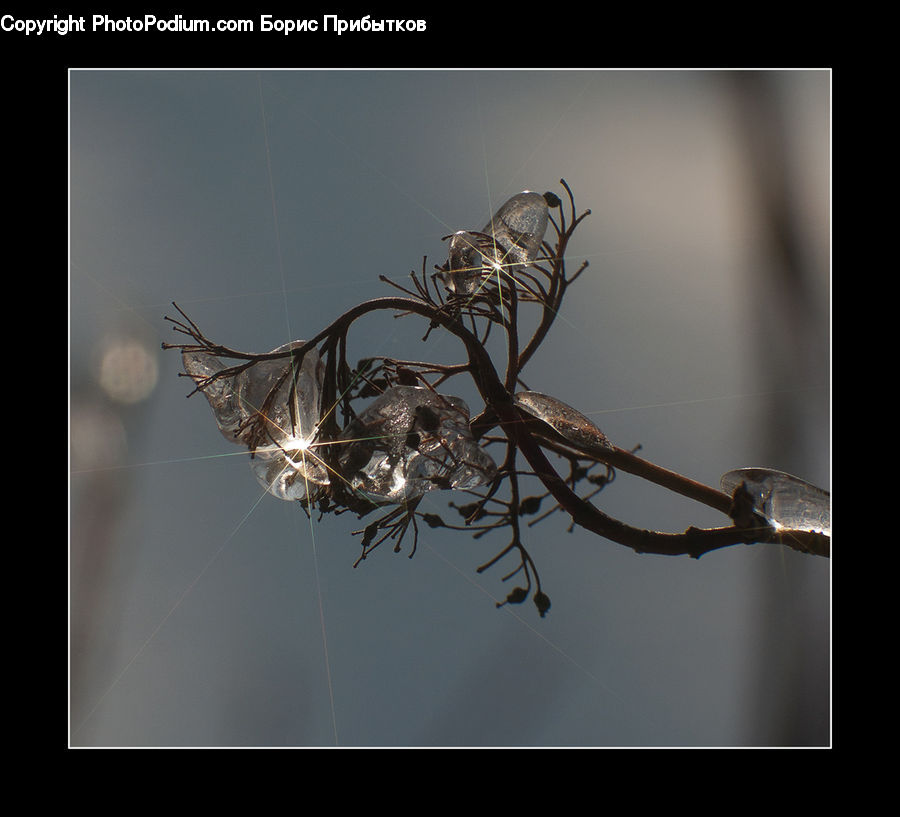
(785, 501)
(512, 238)
(285, 463)
(467, 261)
(410, 440)
(568, 423)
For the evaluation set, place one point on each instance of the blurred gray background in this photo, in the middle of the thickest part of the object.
(266, 203)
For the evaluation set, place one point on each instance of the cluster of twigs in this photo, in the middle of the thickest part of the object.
(500, 425)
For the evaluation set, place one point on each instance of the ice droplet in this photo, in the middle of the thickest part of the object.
(568, 423)
(411, 440)
(510, 240)
(785, 501)
(284, 461)
(519, 226)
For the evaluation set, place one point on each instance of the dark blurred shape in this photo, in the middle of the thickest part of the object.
(791, 358)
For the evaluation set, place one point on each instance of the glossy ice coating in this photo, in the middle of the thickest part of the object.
(519, 227)
(570, 424)
(785, 501)
(512, 238)
(467, 263)
(411, 440)
(289, 472)
(284, 462)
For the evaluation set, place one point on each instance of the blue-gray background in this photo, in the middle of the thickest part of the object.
(264, 204)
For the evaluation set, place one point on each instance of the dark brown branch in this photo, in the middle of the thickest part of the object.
(693, 542)
(522, 435)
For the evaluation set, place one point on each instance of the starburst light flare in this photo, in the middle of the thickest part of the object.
(258, 408)
(510, 240)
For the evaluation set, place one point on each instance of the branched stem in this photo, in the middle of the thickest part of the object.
(496, 302)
